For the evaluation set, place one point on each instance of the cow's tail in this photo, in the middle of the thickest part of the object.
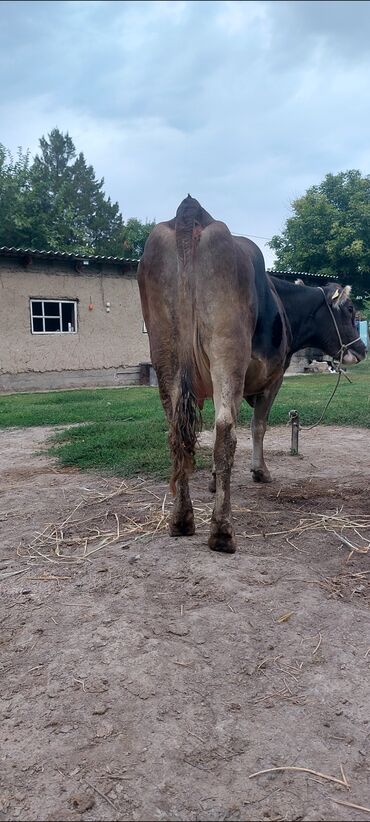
(186, 419)
(186, 423)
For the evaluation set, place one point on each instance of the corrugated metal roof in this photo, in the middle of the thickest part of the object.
(301, 274)
(122, 261)
(65, 255)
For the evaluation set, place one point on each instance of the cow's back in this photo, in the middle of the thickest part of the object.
(202, 304)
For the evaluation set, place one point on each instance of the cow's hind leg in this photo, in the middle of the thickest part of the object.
(262, 405)
(182, 517)
(222, 536)
(212, 481)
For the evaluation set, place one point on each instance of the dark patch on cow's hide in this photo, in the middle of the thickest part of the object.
(277, 331)
(258, 331)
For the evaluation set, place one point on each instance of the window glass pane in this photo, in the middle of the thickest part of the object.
(37, 324)
(37, 309)
(51, 309)
(68, 317)
(52, 324)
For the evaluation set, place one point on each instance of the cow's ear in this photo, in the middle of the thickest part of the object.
(335, 296)
(345, 295)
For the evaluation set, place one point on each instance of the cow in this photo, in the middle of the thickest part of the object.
(217, 328)
(319, 317)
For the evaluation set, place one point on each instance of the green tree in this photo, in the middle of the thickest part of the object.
(57, 203)
(73, 212)
(15, 217)
(365, 310)
(135, 235)
(329, 232)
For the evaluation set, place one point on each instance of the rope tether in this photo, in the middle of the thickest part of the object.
(342, 351)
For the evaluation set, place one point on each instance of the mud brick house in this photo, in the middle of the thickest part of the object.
(68, 321)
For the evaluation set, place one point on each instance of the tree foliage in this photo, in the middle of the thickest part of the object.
(15, 217)
(135, 235)
(57, 203)
(329, 232)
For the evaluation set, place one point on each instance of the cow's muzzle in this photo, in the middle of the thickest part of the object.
(355, 355)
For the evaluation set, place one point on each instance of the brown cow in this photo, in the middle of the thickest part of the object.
(220, 327)
(204, 298)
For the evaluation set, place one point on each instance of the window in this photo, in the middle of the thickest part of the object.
(53, 316)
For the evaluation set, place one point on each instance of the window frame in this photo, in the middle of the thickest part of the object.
(44, 316)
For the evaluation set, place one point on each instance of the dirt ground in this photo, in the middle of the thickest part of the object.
(146, 678)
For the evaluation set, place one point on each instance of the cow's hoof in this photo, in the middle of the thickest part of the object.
(212, 484)
(222, 541)
(260, 475)
(184, 527)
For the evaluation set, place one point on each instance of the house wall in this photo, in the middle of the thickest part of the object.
(106, 344)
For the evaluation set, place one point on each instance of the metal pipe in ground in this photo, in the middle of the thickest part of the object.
(294, 422)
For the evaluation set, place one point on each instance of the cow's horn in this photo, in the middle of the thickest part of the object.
(335, 295)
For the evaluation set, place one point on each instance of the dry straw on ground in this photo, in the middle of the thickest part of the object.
(133, 511)
(100, 519)
(332, 523)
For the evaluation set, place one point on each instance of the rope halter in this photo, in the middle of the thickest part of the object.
(342, 350)
(343, 346)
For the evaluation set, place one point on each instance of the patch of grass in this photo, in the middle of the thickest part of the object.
(309, 394)
(124, 430)
(124, 448)
(85, 405)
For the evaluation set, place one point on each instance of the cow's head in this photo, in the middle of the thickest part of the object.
(338, 326)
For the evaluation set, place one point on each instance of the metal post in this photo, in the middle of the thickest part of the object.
(294, 421)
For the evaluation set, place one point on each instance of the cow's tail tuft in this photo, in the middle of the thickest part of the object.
(186, 424)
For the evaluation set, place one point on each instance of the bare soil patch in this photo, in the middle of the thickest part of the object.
(145, 677)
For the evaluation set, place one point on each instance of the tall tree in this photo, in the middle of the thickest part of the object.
(329, 232)
(57, 203)
(74, 214)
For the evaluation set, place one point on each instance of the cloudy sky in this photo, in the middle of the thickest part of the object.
(242, 104)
